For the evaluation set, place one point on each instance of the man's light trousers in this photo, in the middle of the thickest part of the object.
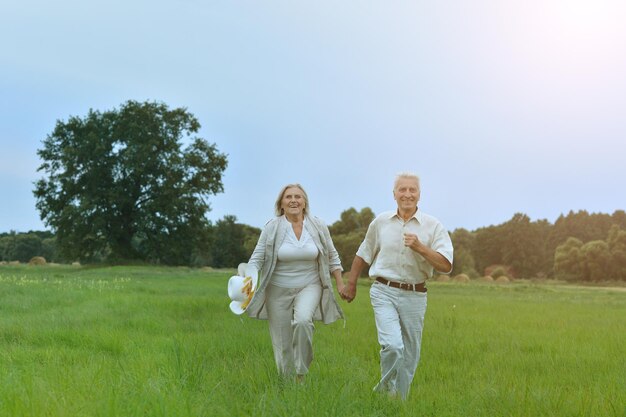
(399, 316)
(290, 313)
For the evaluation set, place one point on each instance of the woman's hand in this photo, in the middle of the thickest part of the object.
(340, 287)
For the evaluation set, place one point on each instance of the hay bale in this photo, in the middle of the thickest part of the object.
(14, 262)
(3, 262)
(443, 278)
(497, 270)
(463, 278)
(503, 280)
(37, 260)
(75, 263)
(486, 278)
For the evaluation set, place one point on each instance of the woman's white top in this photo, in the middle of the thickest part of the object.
(297, 261)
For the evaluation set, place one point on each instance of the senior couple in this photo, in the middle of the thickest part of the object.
(296, 257)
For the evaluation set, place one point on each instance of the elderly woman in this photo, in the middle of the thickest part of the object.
(295, 256)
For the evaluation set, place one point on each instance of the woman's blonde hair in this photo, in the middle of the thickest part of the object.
(279, 211)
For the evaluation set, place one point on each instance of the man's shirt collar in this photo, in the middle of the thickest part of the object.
(417, 215)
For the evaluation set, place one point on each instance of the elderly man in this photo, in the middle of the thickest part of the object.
(403, 248)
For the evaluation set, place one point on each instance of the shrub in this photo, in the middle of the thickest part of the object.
(498, 272)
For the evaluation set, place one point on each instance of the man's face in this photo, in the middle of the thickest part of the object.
(406, 193)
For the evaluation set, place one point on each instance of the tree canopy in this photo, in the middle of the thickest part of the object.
(120, 185)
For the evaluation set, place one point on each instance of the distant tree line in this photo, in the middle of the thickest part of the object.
(22, 247)
(579, 246)
(225, 244)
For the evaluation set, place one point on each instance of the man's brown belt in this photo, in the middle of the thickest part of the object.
(403, 285)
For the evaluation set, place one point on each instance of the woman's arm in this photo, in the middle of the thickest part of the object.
(339, 280)
(334, 263)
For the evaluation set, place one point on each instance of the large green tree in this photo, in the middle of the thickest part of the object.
(120, 184)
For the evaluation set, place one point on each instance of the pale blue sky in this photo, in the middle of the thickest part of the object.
(499, 106)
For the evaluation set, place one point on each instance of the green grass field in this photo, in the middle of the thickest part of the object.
(147, 341)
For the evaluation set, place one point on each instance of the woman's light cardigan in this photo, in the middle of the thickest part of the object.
(265, 256)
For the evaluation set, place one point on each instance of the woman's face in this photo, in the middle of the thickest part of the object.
(293, 203)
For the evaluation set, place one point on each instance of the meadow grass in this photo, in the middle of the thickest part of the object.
(152, 341)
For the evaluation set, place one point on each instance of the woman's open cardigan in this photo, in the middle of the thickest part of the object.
(265, 256)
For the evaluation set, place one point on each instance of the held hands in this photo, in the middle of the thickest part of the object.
(348, 292)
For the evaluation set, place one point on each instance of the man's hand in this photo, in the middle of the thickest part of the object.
(437, 260)
(412, 241)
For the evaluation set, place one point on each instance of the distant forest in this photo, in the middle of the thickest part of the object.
(579, 246)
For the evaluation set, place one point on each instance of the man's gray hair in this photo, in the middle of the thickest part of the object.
(408, 175)
(279, 211)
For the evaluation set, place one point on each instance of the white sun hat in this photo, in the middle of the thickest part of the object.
(241, 288)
